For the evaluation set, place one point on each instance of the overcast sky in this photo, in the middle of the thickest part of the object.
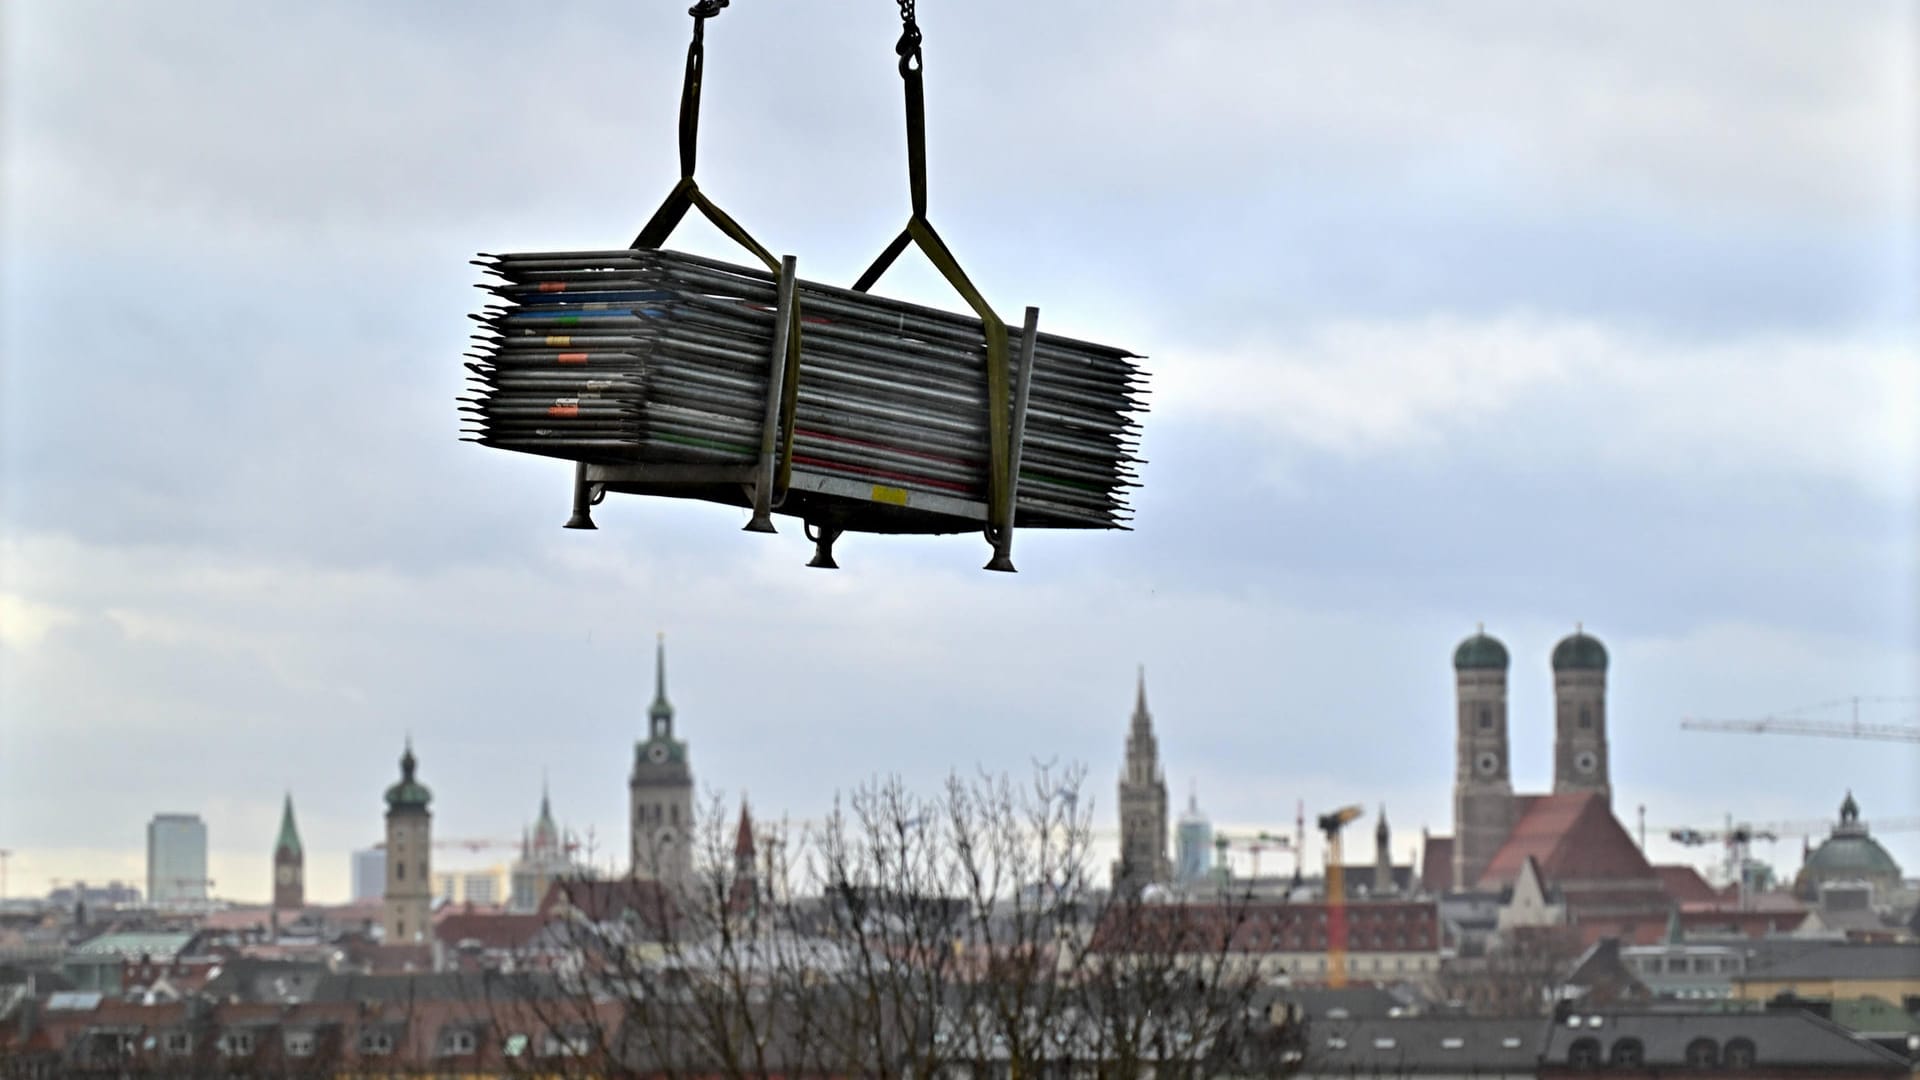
(1455, 313)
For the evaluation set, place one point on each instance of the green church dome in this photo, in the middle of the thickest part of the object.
(1840, 857)
(1480, 653)
(408, 794)
(1579, 651)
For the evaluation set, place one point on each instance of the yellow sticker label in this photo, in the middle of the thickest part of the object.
(559, 339)
(894, 495)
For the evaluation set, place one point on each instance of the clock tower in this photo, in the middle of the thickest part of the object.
(660, 792)
(289, 864)
(1482, 783)
(1580, 715)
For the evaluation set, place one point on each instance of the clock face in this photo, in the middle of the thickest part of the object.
(657, 753)
(1586, 761)
(1487, 763)
(284, 874)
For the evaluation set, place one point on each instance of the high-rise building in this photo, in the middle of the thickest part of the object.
(1193, 844)
(289, 864)
(406, 915)
(660, 792)
(1143, 805)
(369, 874)
(176, 860)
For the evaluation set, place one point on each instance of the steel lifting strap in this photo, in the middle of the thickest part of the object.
(687, 193)
(921, 232)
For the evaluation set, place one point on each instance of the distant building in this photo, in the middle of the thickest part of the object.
(95, 897)
(543, 860)
(482, 888)
(1192, 844)
(289, 864)
(409, 894)
(176, 860)
(1847, 857)
(1143, 805)
(369, 874)
(660, 793)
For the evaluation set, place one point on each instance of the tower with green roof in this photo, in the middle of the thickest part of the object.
(407, 911)
(1580, 715)
(1483, 807)
(289, 863)
(660, 791)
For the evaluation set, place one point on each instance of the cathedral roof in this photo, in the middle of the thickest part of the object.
(1574, 837)
(408, 794)
(1481, 652)
(1579, 651)
(289, 840)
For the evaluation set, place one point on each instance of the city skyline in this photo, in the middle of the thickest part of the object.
(1488, 317)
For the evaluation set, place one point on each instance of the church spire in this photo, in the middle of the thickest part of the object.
(1142, 719)
(660, 713)
(289, 841)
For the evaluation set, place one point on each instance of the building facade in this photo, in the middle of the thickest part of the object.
(289, 864)
(176, 860)
(406, 915)
(1143, 805)
(660, 792)
(369, 874)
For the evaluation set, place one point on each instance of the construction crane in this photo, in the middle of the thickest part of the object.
(1252, 844)
(1738, 837)
(1789, 723)
(1331, 824)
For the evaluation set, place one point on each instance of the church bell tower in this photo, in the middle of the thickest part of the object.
(1482, 782)
(660, 792)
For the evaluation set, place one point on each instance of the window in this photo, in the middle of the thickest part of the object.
(1511, 1042)
(376, 1042)
(1586, 718)
(1335, 1042)
(237, 1043)
(399, 871)
(400, 929)
(1383, 1043)
(299, 1044)
(1627, 1054)
(1584, 1054)
(458, 1041)
(1452, 1042)
(1739, 1054)
(179, 1042)
(1703, 1054)
(1486, 718)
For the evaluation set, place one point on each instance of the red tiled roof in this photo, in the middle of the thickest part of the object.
(492, 930)
(1685, 884)
(1574, 837)
(1436, 865)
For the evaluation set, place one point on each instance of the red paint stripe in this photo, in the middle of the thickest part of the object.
(571, 358)
(563, 410)
(553, 286)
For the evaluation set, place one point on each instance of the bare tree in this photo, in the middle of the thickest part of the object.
(952, 934)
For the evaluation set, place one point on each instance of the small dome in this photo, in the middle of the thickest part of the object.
(408, 793)
(1844, 856)
(1579, 651)
(1480, 653)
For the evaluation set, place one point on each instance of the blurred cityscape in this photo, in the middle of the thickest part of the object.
(1538, 913)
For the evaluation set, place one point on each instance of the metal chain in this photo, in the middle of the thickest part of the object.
(908, 47)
